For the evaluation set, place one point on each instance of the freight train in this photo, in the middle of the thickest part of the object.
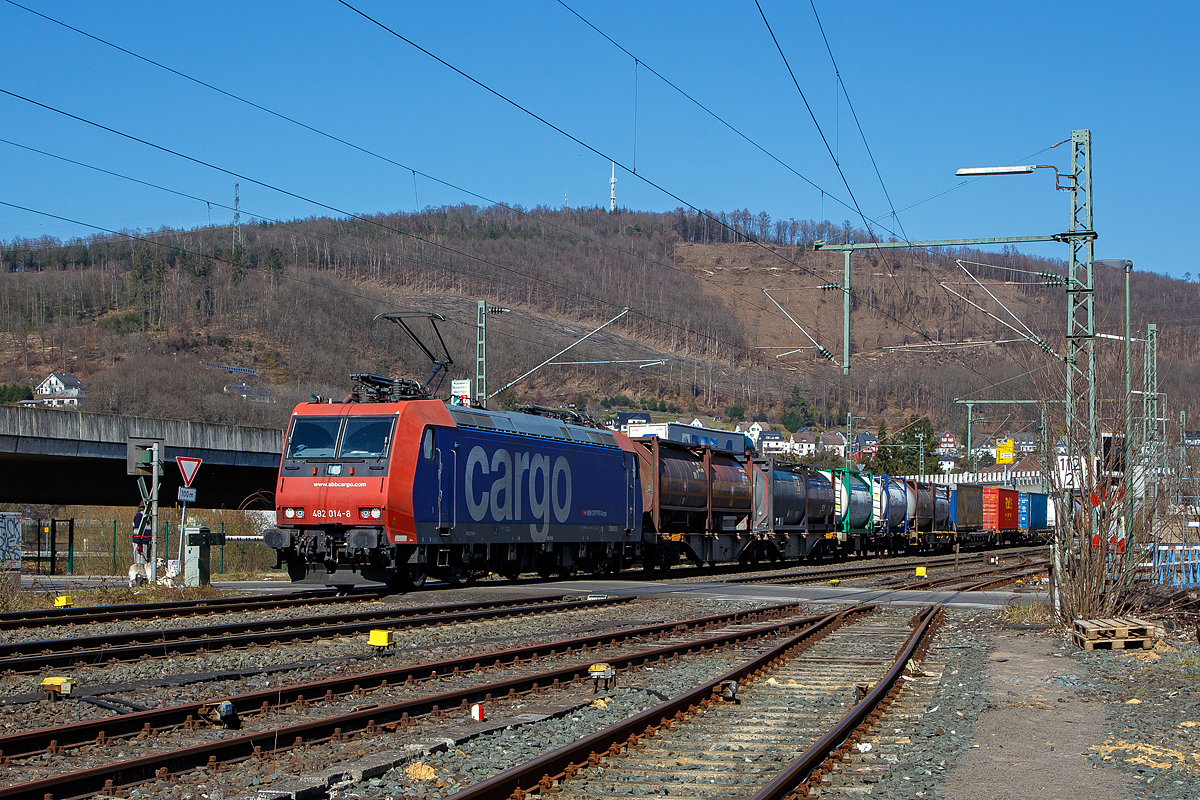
(380, 488)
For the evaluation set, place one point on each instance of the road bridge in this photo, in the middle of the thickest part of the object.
(74, 458)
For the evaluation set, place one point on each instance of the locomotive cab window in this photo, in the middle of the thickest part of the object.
(366, 437)
(428, 445)
(314, 437)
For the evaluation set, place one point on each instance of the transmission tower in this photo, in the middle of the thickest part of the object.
(237, 217)
(612, 189)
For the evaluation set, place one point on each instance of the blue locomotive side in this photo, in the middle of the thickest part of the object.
(481, 486)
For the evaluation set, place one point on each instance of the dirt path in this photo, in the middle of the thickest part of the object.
(1035, 735)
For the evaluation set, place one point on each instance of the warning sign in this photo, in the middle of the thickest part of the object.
(188, 468)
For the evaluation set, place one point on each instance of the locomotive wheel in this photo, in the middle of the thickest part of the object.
(417, 575)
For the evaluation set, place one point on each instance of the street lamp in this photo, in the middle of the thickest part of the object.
(1013, 169)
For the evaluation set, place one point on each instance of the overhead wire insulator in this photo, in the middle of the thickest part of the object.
(830, 286)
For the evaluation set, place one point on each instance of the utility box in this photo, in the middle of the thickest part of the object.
(198, 544)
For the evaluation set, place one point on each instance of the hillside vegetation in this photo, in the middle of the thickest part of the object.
(135, 316)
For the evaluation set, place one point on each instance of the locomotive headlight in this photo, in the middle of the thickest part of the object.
(369, 513)
(375, 512)
(289, 512)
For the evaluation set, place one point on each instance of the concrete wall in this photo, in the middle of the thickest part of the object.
(42, 423)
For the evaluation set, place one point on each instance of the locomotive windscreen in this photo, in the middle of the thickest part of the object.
(318, 437)
(366, 437)
(314, 437)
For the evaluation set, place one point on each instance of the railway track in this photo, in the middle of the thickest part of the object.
(33, 656)
(868, 570)
(46, 617)
(705, 743)
(371, 716)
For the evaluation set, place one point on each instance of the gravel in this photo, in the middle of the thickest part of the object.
(1153, 699)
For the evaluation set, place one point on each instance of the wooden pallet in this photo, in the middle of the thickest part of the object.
(1116, 628)
(1112, 644)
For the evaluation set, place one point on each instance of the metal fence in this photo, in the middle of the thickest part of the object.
(104, 546)
(1177, 565)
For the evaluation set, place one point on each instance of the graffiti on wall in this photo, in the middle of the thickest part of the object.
(10, 541)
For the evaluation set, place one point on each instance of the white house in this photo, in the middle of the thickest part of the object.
(834, 442)
(804, 443)
(60, 390)
(772, 443)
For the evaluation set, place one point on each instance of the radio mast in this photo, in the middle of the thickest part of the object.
(612, 189)
(237, 217)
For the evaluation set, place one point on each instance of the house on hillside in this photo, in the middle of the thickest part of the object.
(835, 442)
(1024, 443)
(947, 444)
(1191, 438)
(622, 421)
(60, 390)
(983, 447)
(772, 443)
(804, 443)
(866, 444)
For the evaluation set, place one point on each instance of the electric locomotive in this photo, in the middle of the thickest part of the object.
(382, 490)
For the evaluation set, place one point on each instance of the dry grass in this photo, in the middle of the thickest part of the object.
(107, 595)
(1028, 614)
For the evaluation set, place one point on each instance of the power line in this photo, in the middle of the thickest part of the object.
(836, 164)
(327, 135)
(444, 247)
(472, 257)
(364, 150)
(703, 107)
(854, 113)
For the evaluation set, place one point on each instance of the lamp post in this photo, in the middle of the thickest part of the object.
(1080, 281)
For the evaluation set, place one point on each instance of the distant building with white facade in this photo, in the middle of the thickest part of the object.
(60, 390)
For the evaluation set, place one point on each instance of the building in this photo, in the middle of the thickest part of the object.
(947, 444)
(621, 422)
(835, 442)
(1024, 443)
(983, 447)
(1191, 438)
(251, 394)
(804, 443)
(772, 443)
(60, 390)
(866, 445)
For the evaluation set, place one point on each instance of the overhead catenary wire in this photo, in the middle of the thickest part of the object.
(332, 137)
(471, 256)
(614, 160)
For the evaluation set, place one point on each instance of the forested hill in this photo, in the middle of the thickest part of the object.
(141, 318)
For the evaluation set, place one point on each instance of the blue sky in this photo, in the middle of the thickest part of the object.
(936, 86)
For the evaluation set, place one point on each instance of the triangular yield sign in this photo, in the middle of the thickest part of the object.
(188, 467)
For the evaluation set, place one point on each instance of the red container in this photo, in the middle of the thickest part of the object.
(999, 509)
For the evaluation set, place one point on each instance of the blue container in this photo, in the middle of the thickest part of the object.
(1032, 510)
